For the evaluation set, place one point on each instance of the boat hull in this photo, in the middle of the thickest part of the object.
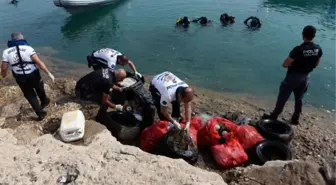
(77, 6)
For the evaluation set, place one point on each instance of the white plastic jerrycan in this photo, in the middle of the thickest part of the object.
(72, 126)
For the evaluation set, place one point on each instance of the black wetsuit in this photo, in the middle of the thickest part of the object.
(202, 20)
(183, 22)
(254, 22)
(226, 19)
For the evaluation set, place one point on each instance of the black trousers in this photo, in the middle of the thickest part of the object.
(103, 118)
(32, 84)
(156, 99)
(296, 83)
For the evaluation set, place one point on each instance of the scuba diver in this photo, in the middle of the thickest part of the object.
(184, 22)
(253, 22)
(14, 2)
(226, 19)
(202, 20)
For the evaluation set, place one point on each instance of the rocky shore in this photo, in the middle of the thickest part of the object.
(32, 154)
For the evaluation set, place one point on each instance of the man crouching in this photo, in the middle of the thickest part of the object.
(168, 88)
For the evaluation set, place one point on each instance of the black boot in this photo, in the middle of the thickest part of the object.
(45, 103)
(42, 115)
(295, 120)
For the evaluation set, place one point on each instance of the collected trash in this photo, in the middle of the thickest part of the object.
(177, 143)
(163, 138)
(271, 151)
(229, 154)
(248, 136)
(70, 176)
(238, 117)
(122, 124)
(72, 126)
(205, 117)
(275, 130)
(217, 130)
(218, 134)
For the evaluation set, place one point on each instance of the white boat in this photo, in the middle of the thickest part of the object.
(75, 6)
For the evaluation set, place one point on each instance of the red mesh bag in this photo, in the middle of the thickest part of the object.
(247, 136)
(212, 134)
(229, 154)
(152, 135)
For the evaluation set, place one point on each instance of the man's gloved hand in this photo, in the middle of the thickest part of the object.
(51, 77)
(177, 124)
(187, 126)
(119, 107)
(138, 74)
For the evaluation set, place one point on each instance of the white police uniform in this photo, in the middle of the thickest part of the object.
(107, 57)
(166, 84)
(27, 66)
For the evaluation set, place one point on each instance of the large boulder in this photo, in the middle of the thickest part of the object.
(279, 172)
(328, 170)
(104, 161)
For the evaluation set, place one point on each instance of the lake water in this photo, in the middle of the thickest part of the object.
(221, 58)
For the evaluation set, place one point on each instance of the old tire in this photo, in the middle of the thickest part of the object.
(129, 126)
(272, 150)
(275, 130)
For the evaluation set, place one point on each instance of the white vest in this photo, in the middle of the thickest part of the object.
(167, 83)
(107, 56)
(27, 66)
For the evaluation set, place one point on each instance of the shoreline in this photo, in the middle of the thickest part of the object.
(58, 66)
(313, 140)
(72, 70)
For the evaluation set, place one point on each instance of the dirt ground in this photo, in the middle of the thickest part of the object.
(314, 139)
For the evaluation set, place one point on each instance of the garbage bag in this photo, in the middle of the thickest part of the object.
(178, 144)
(247, 136)
(216, 131)
(229, 154)
(195, 125)
(151, 136)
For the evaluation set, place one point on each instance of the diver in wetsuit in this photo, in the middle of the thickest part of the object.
(14, 2)
(253, 22)
(202, 20)
(184, 22)
(226, 19)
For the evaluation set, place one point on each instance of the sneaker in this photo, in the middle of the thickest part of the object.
(45, 103)
(42, 115)
(268, 116)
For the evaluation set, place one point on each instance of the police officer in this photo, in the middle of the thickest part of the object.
(104, 81)
(253, 22)
(23, 60)
(301, 61)
(109, 58)
(167, 88)
(98, 86)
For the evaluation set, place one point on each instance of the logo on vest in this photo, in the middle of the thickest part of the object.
(308, 53)
(105, 73)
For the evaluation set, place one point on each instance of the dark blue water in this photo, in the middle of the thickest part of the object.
(221, 58)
